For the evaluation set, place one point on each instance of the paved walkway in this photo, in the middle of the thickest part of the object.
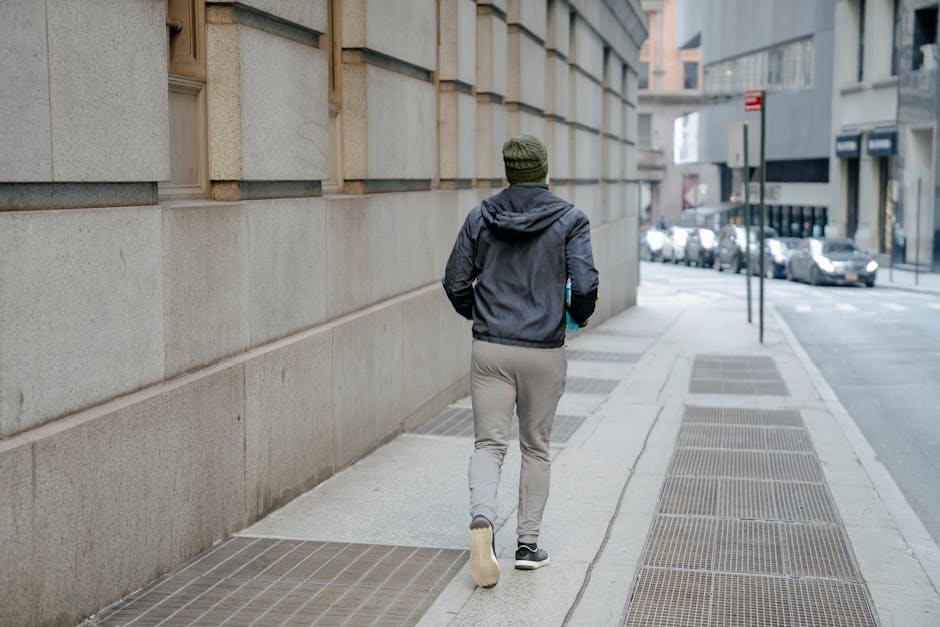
(699, 478)
(928, 282)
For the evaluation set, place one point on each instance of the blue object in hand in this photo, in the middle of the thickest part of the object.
(571, 327)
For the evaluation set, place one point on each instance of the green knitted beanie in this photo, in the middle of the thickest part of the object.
(525, 158)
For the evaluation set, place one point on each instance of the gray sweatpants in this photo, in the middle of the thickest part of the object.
(530, 381)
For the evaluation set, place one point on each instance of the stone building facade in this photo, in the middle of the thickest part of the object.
(222, 229)
(864, 116)
(916, 164)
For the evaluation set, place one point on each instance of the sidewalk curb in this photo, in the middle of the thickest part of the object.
(913, 533)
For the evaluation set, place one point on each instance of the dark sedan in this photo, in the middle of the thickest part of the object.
(830, 260)
(732, 244)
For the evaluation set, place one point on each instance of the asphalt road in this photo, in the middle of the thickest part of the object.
(879, 350)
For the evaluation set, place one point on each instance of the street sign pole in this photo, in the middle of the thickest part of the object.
(917, 239)
(747, 224)
(754, 101)
(763, 181)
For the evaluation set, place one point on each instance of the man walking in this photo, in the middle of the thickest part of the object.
(507, 273)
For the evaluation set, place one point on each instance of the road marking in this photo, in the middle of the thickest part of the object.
(803, 308)
(894, 307)
(846, 307)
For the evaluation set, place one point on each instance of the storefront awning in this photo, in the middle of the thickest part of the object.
(848, 145)
(883, 143)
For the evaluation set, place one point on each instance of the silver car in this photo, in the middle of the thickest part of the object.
(700, 248)
(674, 244)
(651, 244)
(829, 260)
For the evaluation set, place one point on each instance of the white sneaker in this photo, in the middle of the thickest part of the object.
(484, 568)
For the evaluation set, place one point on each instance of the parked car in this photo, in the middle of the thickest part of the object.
(776, 254)
(733, 246)
(651, 244)
(820, 260)
(674, 244)
(700, 249)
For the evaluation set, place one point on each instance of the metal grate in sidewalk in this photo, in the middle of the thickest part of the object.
(691, 496)
(729, 374)
(746, 532)
(819, 551)
(745, 437)
(747, 499)
(742, 416)
(667, 598)
(683, 542)
(830, 603)
(272, 581)
(458, 422)
(757, 465)
(748, 546)
(748, 601)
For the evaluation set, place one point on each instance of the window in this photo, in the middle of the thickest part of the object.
(861, 40)
(925, 38)
(690, 75)
(806, 74)
(334, 178)
(644, 75)
(775, 67)
(788, 67)
(645, 129)
(839, 246)
(186, 87)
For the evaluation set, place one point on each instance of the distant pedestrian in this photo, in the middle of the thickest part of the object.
(507, 273)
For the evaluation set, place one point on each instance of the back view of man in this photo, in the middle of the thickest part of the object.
(507, 273)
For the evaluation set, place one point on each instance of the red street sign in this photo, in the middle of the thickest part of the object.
(753, 100)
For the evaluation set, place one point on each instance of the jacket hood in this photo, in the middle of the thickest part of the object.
(519, 212)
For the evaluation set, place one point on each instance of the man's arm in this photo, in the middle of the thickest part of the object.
(579, 261)
(460, 272)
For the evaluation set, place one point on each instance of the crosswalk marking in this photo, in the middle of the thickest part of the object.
(849, 308)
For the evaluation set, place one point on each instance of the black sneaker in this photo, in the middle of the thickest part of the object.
(484, 568)
(530, 557)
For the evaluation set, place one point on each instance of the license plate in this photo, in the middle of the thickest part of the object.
(851, 276)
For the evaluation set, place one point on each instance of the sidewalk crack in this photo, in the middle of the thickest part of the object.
(610, 526)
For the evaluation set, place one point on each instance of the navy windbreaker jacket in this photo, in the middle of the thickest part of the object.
(509, 265)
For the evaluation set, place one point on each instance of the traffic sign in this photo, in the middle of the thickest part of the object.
(753, 100)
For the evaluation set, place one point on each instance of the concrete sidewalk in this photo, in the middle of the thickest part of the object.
(699, 478)
(902, 279)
